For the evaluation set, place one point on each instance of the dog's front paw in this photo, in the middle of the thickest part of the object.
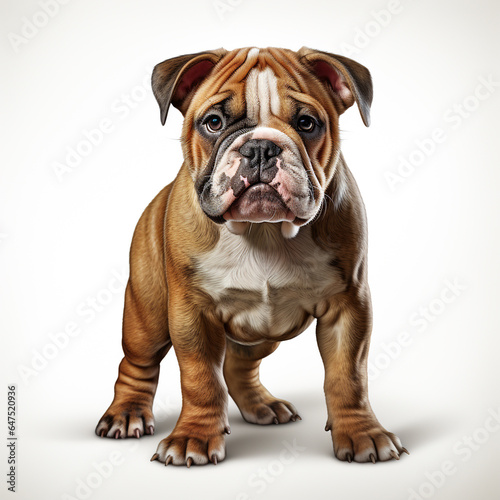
(126, 420)
(185, 447)
(364, 440)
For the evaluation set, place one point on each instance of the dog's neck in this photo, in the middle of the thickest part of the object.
(265, 235)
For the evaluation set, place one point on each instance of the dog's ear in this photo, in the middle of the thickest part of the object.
(175, 80)
(349, 80)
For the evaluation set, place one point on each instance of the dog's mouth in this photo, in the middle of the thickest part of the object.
(259, 203)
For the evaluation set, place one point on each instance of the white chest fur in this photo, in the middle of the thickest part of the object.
(264, 285)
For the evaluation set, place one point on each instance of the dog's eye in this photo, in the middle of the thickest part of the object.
(213, 123)
(306, 123)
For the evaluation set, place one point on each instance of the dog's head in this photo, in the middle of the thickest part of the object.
(260, 132)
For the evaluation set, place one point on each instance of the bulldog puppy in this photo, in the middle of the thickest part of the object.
(262, 231)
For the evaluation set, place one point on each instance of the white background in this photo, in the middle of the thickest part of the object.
(62, 241)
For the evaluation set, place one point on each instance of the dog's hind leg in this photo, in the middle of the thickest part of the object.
(241, 372)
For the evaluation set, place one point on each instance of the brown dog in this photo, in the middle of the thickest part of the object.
(262, 231)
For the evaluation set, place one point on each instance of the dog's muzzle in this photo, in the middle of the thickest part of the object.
(257, 200)
(258, 176)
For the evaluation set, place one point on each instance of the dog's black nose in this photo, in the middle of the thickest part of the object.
(259, 151)
(259, 160)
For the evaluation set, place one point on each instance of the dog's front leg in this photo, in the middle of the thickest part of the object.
(199, 342)
(343, 334)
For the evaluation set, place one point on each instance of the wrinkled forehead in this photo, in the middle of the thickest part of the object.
(263, 83)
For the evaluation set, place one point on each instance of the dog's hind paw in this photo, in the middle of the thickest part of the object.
(270, 411)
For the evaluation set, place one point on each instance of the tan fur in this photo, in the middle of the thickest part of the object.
(224, 300)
